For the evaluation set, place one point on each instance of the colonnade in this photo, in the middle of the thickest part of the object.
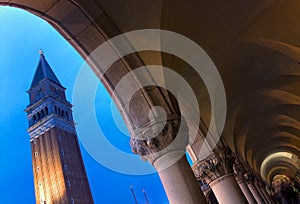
(229, 181)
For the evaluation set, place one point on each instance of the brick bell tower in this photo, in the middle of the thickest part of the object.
(59, 173)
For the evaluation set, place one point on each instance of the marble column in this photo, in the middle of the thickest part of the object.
(166, 152)
(216, 170)
(239, 172)
(250, 182)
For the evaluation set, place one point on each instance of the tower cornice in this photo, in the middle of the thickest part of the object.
(49, 122)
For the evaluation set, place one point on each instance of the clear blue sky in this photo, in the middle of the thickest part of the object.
(21, 36)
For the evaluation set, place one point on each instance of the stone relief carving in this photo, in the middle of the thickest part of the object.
(160, 137)
(216, 165)
(239, 171)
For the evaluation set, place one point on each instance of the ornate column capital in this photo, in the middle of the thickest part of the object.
(239, 172)
(249, 177)
(163, 140)
(214, 166)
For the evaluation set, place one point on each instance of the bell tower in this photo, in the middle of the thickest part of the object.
(59, 173)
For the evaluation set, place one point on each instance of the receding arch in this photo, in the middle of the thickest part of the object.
(282, 47)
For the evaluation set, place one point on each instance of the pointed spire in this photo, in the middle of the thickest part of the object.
(43, 71)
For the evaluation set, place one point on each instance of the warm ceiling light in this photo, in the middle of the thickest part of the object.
(272, 157)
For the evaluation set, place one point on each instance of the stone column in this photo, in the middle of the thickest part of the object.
(216, 170)
(239, 172)
(259, 190)
(267, 195)
(262, 187)
(250, 182)
(166, 152)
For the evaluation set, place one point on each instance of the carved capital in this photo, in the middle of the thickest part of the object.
(161, 138)
(216, 165)
(249, 177)
(239, 172)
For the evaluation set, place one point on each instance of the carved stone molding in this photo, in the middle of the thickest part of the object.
(215, 166)
(160, 138)
(49, 122)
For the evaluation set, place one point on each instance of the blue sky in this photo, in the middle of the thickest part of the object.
(21, 36)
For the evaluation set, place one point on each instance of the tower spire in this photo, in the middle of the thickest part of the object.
(43, 71)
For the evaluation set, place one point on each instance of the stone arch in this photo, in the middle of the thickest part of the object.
(282, 47)
(85, 31)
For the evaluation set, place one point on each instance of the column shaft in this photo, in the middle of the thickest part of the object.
(246, 191)
(239, 172)
(180, 184)
(255, 193)
(261, 194)
(227, 190)
(266, 195)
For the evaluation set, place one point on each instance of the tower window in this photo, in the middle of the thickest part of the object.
(37, 168)
(55, 109)
(34, 119)
(68, 183)
(65, 167)
(34, 141)
(40, 183)
(38, 116)
(42, 113)
(46, 110)
(62, 113)
(72, 200)
(62, 152)
(59, 111)
(59, 138)
(67, 116)
(36, 154)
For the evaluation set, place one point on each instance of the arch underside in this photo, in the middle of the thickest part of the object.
(254, 44)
